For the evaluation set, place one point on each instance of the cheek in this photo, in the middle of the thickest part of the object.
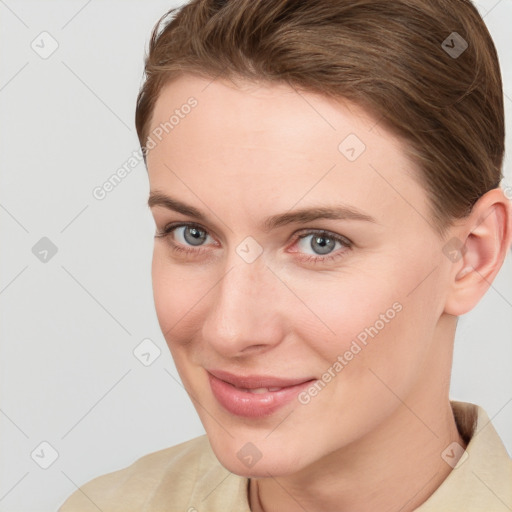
(373, 318)
(175, 292)
(348, 306)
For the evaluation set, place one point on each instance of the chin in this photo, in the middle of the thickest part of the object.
(255, 460)
(262, 469)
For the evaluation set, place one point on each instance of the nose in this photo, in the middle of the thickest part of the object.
(245, 314)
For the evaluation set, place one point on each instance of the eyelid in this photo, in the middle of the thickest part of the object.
(313, 231)
(169, 228)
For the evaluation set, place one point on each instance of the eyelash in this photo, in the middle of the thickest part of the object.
(309, 258)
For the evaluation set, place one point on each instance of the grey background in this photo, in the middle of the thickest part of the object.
(69, 326)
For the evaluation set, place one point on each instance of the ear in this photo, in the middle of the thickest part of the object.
(477, 251)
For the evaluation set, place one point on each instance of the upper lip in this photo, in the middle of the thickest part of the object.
(256, 381)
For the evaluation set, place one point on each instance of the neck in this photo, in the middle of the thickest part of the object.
(395, 467)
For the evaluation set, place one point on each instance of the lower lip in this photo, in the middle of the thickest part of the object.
(252, 405)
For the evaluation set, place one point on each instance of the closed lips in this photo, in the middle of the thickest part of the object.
(257, 383)
(253, 396)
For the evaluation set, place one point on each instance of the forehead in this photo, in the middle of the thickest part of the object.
(272, 141)
(260, 111)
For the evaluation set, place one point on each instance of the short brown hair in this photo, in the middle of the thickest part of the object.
(392, 57)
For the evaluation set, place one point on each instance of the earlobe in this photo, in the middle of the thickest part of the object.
(484, 238)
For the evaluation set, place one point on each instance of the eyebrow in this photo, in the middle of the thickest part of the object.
(341, 212)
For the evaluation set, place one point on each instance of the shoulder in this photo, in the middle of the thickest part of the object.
(167, 477)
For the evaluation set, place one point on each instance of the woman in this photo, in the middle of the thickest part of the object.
(324, 179)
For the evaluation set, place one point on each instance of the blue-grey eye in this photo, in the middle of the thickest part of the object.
(191, 235)
(318, 243)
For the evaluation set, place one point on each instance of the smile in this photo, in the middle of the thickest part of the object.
(254, 396)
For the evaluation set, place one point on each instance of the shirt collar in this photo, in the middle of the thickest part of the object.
(482, 478)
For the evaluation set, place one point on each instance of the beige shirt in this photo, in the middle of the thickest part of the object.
(189, 478)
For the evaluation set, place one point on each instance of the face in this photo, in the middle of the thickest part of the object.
(296, 276)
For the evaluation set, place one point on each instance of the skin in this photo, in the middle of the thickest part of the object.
(372, 438)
